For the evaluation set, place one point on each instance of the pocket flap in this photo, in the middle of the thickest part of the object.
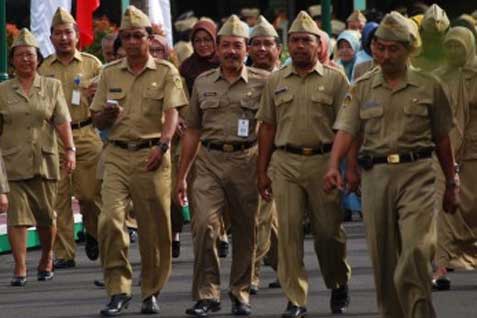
(10, 151)
(116, 95)
(372, 112)
(283, 98)
(322, 98)
(209, 103)
(417, 108)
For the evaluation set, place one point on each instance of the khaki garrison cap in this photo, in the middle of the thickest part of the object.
(186, 24)
(25, 38)
(435, 20)
(304, 23)
(395, 27)
(234, 27)
(315, 11)
(249, 12)
(356, 16)
(134, 18)
(263, 28)
(62, 16)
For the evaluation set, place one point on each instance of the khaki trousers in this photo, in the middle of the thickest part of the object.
(400, 223)
(267, 238)
(125, 179)
(84, 185)
(297, 183)
(457, 233)
(219, 181)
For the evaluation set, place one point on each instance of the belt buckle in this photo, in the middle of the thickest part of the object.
(307, 151)
(132, 146)
(228, 148)
(393, 159)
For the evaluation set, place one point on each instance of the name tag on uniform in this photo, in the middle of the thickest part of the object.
(75, 97)
(243, 127)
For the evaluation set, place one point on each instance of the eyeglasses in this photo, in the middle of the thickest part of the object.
(134, 35)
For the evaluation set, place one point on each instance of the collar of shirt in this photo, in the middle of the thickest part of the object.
(218, 74)
(77, 56)
(411, 79)
(150, 64)
(290, 69)
(15, 84)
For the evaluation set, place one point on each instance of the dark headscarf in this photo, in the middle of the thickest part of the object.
(195, 65)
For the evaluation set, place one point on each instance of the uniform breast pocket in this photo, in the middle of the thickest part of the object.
(372, 119)
(117, 96)
(250, 105)
(153, 101)
(323, 106)
(417, 116)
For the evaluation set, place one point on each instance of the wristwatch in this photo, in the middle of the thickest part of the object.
(163, 147)
(72, 149)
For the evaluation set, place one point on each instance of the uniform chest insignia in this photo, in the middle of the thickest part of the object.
(154, 84)
(415, 100)
(280, 90)
(370, 104)
(321, 88)
(115, 90)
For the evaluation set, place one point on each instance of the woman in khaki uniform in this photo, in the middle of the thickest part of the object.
(457, 234)
(32, 109)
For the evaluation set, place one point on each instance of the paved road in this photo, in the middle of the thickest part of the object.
(72, 293)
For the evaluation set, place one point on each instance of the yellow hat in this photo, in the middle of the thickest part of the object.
(356, 16)
(134, 18)
(435, 20)
(25, 37)
(249, 12)
(417, 19)
(62, 16)
(315, 11)
(263, 28)
(304, 23)
(233, 26)
(394, 27)
(186, 24)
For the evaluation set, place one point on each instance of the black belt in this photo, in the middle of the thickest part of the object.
(324, 148)
(367, 161)
(231, 147)
(135, 146)
(81, 124)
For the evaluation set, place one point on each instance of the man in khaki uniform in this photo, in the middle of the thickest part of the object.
(298, 108)
(401, 115)
(136, 100)
(222, 118)
(264, 51)
(76, 72)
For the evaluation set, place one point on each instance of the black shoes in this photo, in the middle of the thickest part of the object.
(239, 308)
(98, 283)
(275, 284)
(294, 311)
(150, 305)
(44, 275)
(223, 249)
(176, 249)
(253, 289)
(116, 305)
(91, 247)
(202, 307)
(339, 299)
(441, 283)
(64, 263)
(18, 281)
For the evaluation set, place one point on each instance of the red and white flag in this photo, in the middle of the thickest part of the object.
(84, 18)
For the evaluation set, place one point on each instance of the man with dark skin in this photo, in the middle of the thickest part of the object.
(401, 115)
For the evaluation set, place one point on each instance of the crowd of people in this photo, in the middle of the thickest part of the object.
(378, 117)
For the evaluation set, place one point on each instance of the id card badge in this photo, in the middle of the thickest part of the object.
(243, 127)
(76, 97)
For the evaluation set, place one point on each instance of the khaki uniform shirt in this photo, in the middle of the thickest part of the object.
(144, 97)
(84, 67)
(216, 106)
(303, 109)
(408, 118)
(4, 188)
(28, 142)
